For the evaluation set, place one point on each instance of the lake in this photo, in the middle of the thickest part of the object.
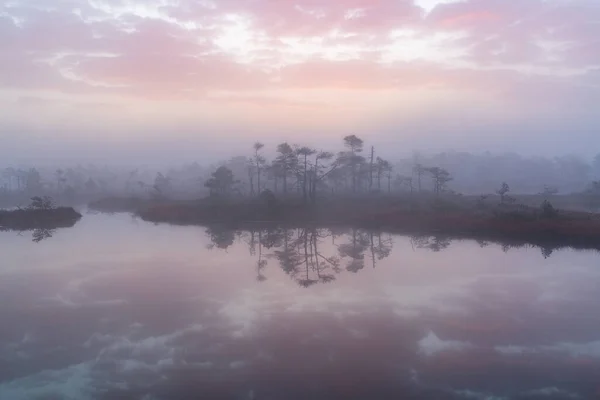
(117, 308)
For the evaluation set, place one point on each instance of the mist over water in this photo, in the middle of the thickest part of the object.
(119, 308)
(307, 199)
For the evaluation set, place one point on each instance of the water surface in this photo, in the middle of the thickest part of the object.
(116, 308)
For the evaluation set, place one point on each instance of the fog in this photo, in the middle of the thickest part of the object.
(77, 179)
(164, 82)
(170, 146)
(299, 199)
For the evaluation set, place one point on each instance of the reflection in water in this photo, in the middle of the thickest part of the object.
(111, 310)
(37, 235)
(41, 234)
(299, 251)
(433, 243)
(221, 236)
(354, 250)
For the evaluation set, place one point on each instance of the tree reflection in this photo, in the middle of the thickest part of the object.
(483, 243)
(433, 243)
(221, 236)
(325, 266)
(547, 252)
(42, 234)
(296, 257)
(380, 248)
(259, 239)
(287, 255)
(261, 263)
(355, 250)
(272, 238)
(308, 255)
(312, 255)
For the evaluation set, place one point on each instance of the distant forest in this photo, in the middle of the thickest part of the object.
(288, 168)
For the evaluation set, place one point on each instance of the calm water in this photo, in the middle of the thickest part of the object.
(116, 308)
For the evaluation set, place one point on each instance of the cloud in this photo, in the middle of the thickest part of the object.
(431, 345)
(589, 349)
(524, 32)
(186, 46)
(305, 17)
(267, 100)
(511, 58)
(177, 75)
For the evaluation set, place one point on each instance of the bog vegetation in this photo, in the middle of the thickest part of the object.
(457, 194)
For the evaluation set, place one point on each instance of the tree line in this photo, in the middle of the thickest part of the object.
(304, 171)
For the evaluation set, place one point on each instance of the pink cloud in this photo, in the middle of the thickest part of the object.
(509, 32)
(470, 19)
(482, 16)
(308, 17)
(18, 71)
(155, 57)
(267, 101)
(175, 75)
(44, 31)
(365, 75)
(154, 37)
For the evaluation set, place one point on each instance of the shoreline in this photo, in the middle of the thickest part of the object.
(513, 226)
(31, 219)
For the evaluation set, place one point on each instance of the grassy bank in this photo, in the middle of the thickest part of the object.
(456, 217)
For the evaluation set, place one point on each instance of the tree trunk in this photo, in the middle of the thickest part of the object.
(257, 179)
(251, 179)
(372, 251)
(304, 194)
(314, 182)
(353, 165)
(371, 169)
(257, 173)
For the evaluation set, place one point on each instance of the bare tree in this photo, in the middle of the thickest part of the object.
(389, 169)
(440, 178)
(251, 168)
(407, 181)
(418, 171)
(371, 166)
(352, 159)
(287, 161)
(316, 177)
(259, 160)
(304, 152)
(383, 166)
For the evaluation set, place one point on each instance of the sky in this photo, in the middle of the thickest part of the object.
(110, 80)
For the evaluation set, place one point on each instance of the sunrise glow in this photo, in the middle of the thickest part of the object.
(123, 66)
